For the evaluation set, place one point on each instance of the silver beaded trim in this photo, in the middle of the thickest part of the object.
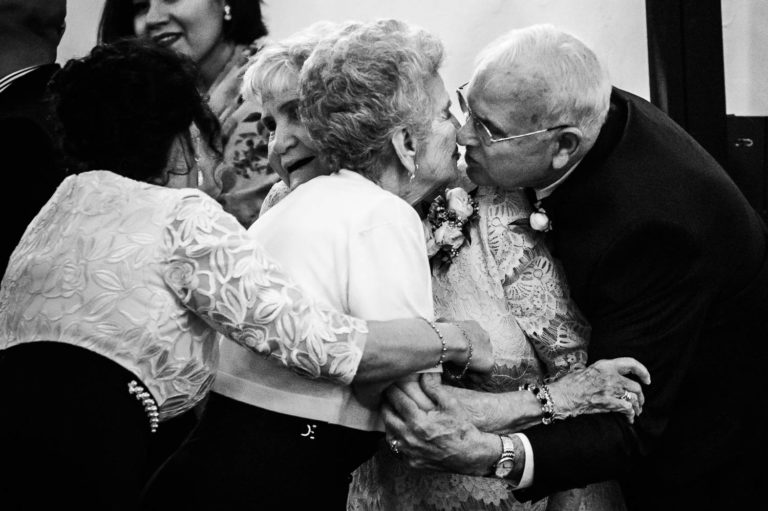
(148, 402)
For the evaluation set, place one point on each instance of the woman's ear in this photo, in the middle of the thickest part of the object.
(567, 145)
(405, 149)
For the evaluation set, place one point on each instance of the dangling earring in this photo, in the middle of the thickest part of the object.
(227, 12)
(413, 174)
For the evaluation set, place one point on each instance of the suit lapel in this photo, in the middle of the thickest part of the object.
(31, 85)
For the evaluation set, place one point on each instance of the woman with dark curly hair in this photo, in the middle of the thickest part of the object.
(219, 36)
(112, 301)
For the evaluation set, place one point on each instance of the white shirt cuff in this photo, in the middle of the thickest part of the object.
(527, 479)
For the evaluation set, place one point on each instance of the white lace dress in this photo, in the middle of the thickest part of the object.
(506, 280)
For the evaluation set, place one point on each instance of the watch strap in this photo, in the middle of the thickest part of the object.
(506, 461)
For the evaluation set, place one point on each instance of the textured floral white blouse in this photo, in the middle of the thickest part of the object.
(146, 275)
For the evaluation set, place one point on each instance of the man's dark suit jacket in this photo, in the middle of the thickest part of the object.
(669, 263)
(29, 163)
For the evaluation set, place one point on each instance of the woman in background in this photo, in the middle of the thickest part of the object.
(220, 36)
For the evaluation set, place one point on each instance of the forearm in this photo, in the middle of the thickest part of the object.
(499, 413)
(400, 347)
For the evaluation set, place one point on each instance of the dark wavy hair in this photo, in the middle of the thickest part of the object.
(120, 108)
(247, 23)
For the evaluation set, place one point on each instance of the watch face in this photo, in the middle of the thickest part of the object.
(504, 467)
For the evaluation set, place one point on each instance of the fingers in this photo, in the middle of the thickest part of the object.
(397, 431)
(392, 422)
(402, 403)
(628, 365)
(410, 443)
(640, 399)
(624, 407)
(623, 384)
(433, 388)
(633, 400)
(412, 388)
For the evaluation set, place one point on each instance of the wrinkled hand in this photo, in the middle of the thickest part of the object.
(599, 388)
(487, 411)
(433, 431)
(482, 352)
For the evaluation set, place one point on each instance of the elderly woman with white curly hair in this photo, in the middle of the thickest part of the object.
(375, 106)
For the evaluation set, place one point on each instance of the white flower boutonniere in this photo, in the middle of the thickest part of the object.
(449, 217)
(539, 221)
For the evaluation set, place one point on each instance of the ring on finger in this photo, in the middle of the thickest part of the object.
(627, 396)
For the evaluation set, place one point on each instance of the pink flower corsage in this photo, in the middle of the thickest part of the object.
(449, 217)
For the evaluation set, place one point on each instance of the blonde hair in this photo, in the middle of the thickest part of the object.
(276, 67)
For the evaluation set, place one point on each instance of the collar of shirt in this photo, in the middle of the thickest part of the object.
(8, 79)
(543, 193)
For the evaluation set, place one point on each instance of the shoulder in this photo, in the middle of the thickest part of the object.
(386, 208)
(365, 204)
(191, 198)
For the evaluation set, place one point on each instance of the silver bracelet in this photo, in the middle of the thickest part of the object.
(444, 348)
(469, 357)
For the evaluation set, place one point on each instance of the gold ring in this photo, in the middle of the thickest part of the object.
(393, 445)
(627, 395)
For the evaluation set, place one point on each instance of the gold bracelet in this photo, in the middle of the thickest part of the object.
(444, 347)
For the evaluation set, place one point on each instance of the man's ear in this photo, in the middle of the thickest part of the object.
(566, 146)
(405, 149)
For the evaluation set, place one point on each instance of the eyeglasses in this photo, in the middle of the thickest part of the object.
(480, 127)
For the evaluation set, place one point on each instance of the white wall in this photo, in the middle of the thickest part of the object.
(614, 28)
(745, 48)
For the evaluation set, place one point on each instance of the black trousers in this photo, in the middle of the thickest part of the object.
(71, 435)
(244, 457)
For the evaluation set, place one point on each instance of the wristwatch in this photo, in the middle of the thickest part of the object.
(506, 461)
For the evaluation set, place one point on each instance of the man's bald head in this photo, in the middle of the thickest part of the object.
(549, 73)
(43, 18)
(30, 31)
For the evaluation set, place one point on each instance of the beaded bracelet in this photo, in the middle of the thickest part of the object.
(547, 406)
(544, 397)
(444, 347)
(469, 357)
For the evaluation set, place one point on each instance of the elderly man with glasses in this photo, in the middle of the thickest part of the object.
(665, 257)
